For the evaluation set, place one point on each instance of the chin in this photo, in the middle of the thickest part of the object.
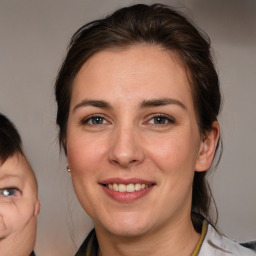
(126, 226)
(127, 231)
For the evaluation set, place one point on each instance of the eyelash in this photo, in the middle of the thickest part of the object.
(10, 192)
(90, 119)
(170, 120)
(93, 117)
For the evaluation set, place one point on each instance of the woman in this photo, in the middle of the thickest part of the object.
(138, 99)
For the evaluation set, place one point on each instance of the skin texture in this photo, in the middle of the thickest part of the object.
(19, 207)
(145, 129)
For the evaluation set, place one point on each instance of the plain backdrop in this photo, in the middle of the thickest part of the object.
(33, 39)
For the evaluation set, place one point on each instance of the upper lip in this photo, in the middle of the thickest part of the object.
(126, 181)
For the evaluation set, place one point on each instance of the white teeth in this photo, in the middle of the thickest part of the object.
(122, 188)
(130, 188)
(127, 188)
(115, 187)
(137, 187)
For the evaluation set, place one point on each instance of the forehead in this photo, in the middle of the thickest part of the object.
(139, 68)
(17, 168)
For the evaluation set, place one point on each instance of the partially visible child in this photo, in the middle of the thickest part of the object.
(19, 204)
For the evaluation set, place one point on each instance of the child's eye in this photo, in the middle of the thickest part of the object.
(7, 192)
(94, 120)
(160, 119)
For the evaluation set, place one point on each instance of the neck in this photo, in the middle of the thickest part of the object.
(176, 240)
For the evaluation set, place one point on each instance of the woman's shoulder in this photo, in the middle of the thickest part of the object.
(215, 244)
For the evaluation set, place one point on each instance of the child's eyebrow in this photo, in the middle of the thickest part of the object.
(9, 176)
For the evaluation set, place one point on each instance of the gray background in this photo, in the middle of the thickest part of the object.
(33, 39)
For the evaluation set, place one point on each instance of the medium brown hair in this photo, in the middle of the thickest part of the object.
(153, 25)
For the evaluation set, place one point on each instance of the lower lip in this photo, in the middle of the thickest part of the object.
(127, 196)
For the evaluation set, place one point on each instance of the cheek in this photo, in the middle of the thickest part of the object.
(85, 151)
(175, 152)
(15, 216)
(84, 154)
(3, 226)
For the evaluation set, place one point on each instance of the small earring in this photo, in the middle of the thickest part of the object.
(68, 168)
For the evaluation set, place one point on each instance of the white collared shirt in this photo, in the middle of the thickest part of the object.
(215, 244)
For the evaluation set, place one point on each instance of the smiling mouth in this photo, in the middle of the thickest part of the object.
(127, 188)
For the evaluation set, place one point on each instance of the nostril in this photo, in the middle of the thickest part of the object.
(123, 162)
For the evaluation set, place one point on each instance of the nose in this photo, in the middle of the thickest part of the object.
(126, 149)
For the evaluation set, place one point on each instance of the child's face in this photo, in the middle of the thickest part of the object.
(19, 204)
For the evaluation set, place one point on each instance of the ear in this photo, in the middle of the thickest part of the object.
(37, 208)
(207, 148)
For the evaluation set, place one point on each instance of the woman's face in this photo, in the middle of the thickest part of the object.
(133, 142)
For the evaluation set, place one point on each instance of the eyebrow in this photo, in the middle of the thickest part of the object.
(161, 102)
(94, 103)
(9, 176)
(145, 104)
